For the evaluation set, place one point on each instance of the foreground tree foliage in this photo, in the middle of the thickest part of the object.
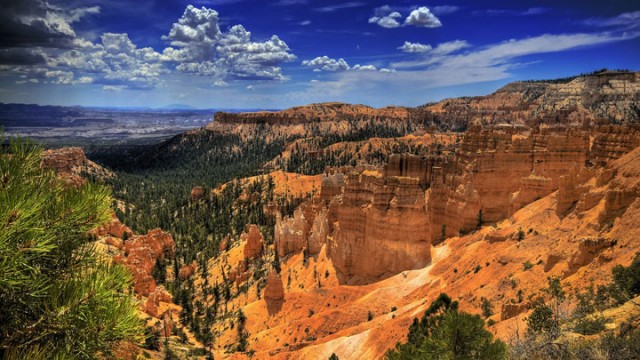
(551, 335)
(444, 332)
(58, 299)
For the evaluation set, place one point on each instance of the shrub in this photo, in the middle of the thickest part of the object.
(590, 325)
(487, 309)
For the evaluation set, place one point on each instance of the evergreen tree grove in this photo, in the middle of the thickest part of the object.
(444, 332)
(58, 298)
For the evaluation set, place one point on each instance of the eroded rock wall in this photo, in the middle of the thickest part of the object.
(382, 227)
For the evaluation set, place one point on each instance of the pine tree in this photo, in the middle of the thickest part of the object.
(59, 298)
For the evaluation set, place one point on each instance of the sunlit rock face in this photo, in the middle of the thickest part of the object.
(254, 242)
(381, 229)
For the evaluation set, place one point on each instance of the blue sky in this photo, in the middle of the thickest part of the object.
(276, 54)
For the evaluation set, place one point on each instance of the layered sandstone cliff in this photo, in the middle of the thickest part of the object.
(608, 96)
(382, 227)
(378, 222)
(599, 98)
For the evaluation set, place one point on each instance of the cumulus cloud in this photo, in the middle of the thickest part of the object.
(385, 17)
(410, 47)
(327, 64)
(199, 46)
(39, 42)
(116, 60)
(422, 17)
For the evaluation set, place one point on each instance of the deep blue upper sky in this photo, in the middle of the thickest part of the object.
(275, 54)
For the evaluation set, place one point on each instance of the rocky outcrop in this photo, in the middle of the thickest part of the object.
(159, 294)
(498, 170)
(331, 187)
(197, 193)
(114, 228)
(572, 187)
(274, 292)
(70, 163)
(254, 242)
(224, 244)
(611, 142)
(64, 160)
(588, 249)
(141, 254)
(382, 227)
(291, 233)
(186, 271)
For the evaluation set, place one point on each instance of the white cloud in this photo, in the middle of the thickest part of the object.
(85, 80)
(629, 20)
(410, 47)
(116, 60)
(59, 77)
(364, 67)
(249, 87)
(387, 16)
(387, 21)
(422, 17)
(493, 61)
(304, 23)
(327, 64)
(198, 46)
(450, 47)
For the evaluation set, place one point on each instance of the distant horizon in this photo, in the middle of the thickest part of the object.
(186, 107)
